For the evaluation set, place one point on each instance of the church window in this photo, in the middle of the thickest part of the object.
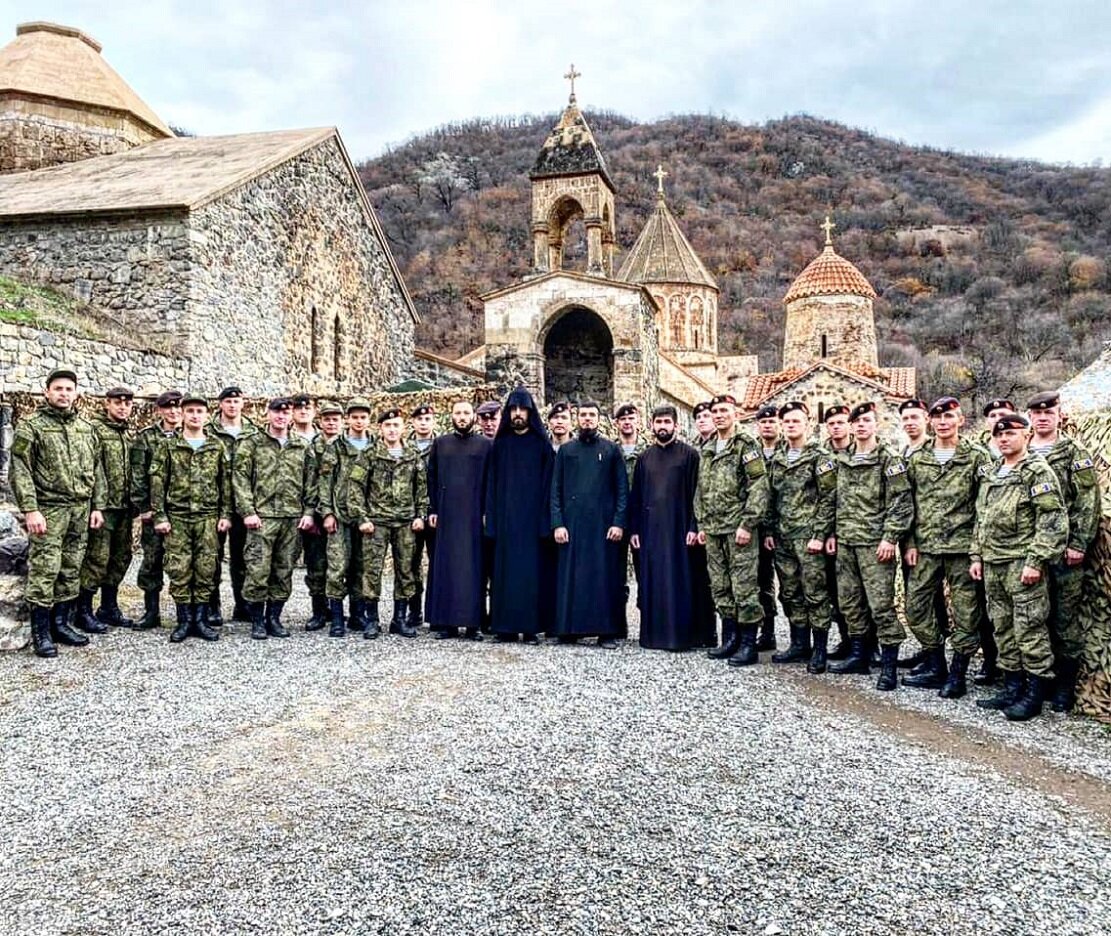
(698, 322)
(825, 346)
(337, 349)
(314, 340)
(678, 322)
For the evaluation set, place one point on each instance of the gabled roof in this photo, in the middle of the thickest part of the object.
(897, 382)
(829, 274)
(59, 63)
(570, 149)
(662, 254)
(573, 274)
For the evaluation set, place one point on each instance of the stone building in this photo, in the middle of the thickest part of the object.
(254, 258)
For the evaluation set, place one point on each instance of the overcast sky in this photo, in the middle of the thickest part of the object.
(1027, 78)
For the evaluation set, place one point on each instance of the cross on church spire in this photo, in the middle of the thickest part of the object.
(571, 76)
(828, 228)
(660, 175)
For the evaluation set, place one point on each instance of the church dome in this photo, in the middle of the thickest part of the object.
(662, 254)
(829, 274)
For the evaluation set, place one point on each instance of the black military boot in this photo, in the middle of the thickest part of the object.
(1064, 690)
(400, 623)
(746, 653)
(184, 623)
(1008, 695)
(336, 627)
(799, 648)
(215, 612)
(858, 659)
(416, 611)
(955, 686)
(83, 617)
(730, 640)
(151, 616)
(40, 633)
(766, 640)
(368, 611)
(257, 611)
(988, 674)
(242, 609)
(109, 612)
(889, 668)
(274, 619)
(933, 676)
(319, 613)
(63, 632)
(841, 651)
(915, 660)
(989, 668)
(357, 618)
(873, 645)
(202, 626)
(1029, 704)
(819, 653)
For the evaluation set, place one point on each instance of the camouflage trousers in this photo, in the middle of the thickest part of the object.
(400, 540)
(269, 555)
(54, 557)
(192, 546)
(1066, 592)
(234, 542)
(734, 577)
(345, 562)
(766, 579)
(923, 584)
(153, 564)
(314, 547)
(108, 554)
(866, 593)
(1020, 614)
(802, 584)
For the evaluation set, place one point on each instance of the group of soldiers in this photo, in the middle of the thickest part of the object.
(992, 536)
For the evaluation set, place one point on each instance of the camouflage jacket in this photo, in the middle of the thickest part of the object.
(231, 445)
(631, 459)
(873, 497)
(317, 447)
(945, 496)
(1020, 515)
(143, 448)
(803, 493)
(1076, 474)
(115, 461)
(269, 479)
(385, 489)
(188, 482)
(333, 486)
(56, 461)
(732, 487)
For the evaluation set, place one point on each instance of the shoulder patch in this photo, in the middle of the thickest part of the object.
(1082, 464)
(896, 469)
(750, 455)
(825, 466)
(984, 470)
(1046, 487)
(21, 445)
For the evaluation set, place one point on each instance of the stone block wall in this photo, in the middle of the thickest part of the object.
(433, 369)
(838, 329)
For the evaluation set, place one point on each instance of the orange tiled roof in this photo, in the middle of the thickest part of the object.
(897, 382)
(830, 274)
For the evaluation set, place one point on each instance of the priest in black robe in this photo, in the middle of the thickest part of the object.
(456, 486)
(663, 530)
(518, 514)
(589, 494)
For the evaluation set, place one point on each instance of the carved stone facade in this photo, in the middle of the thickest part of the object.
(556, 203)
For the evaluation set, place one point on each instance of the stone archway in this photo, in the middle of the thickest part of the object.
(578, 358)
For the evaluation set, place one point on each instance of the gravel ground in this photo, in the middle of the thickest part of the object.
(322, 786)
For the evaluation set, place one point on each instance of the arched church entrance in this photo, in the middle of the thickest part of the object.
(578, 359)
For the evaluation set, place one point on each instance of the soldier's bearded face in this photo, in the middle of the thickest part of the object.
(358, 421)
(194, 416)
(61, 393)
(331, 424)
(119, 408)
(391, 430)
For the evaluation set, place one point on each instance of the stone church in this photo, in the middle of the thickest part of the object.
(254, 258)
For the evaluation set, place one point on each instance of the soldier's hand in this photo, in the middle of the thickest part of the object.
(701, 538)
(163, 528)
(96, 520)
(432, 518)
(885, 552)
(1073, 557)
(831, 546)
(36, 522)
(815, 546)
(743, 537)
(306, 523)
(910, 557)
(634, 540)
(1030, 575)
(562, 536)
(253, 522)
(976, 571)
(692, 539)
(223, 525)
(769, 543)
(330, 524)
(367, 527)
(146, 516)
(614, 534)
(418, 525)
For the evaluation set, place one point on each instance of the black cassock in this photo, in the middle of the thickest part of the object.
(456, 484)
(589, 493)
(661, 513)
(518, 514)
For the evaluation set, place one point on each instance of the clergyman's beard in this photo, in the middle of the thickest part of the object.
(464, 427)
(519, 423)
(663, 436)
(588, 435)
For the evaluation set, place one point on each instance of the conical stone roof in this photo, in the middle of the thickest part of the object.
(829, 274)
(570, 149)
(662, 254)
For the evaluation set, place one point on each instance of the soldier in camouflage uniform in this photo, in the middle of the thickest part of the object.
(838, 439)
(1022, 528)
(270, 481)
(58, 483)
(190, 495)
(944, 474)
(874, 512)
(768, 435)
(345, 542)
(1076, 475)
(730, 506)
(803, 483)
(314, 544)
(388, 501)
(626, 418)
(151, 570)
(108, 555)
(422, 437)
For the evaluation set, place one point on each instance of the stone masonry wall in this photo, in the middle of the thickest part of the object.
(847, 323)
(431, 370)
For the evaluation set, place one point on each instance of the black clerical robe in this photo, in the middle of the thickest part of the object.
(589, 494)
(661, 514)
(456, 486)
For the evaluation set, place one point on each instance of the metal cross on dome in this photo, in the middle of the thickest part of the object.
(571, 76)
(660, 175)
(828, 228)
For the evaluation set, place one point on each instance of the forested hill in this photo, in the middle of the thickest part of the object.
(1011, 292)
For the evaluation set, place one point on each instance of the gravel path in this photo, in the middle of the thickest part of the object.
(322, 786)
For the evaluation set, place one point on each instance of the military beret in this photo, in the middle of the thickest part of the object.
(791, 406)
(423, 410)
(945, 404)
(279, 403)
(557, 408)
(120, 393)
(61, 373)
(488, 408)
(1044, 401)
(767, 412)
(913, 404)
(229, 392)
(838, 409)
(860, 409)
(194, 398)
(1010, 421)
(625, 409)
(169, 398)
(330, 408)
(703, 407)
(999, 404)
(301, 399)
(385, 414)
(724, 398)
(358, 403)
